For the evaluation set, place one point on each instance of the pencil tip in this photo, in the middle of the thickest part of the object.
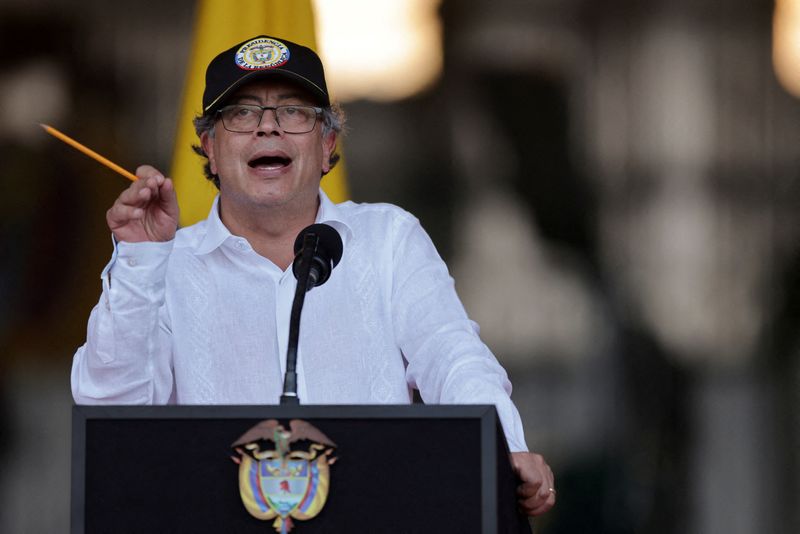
(43, 125)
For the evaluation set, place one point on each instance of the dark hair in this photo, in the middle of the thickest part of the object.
(332, 121)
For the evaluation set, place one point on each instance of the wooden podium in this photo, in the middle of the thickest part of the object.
(404, 469)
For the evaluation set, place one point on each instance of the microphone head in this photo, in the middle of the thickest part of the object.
(327, 253)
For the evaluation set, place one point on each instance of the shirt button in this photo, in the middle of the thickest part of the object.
(241, 245)
(132, 262)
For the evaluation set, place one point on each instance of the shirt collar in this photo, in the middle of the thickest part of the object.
(330, 213)
(217, 233)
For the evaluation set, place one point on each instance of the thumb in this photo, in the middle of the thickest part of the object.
(168, 199)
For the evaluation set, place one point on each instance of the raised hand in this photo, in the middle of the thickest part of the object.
(146, 211)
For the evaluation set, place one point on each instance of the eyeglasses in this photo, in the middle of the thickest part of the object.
(293, 119)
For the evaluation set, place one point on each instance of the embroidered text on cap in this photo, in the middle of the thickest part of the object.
(261, 53)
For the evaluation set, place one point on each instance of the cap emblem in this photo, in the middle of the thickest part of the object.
(261, 53)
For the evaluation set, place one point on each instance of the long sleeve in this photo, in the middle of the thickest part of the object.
(126, 357)
(447, 361)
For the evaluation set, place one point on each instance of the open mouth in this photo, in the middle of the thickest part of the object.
(269, 162)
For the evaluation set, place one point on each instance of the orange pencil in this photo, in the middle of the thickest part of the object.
(89, 152)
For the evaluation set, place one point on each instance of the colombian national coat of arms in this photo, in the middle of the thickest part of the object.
(278, 483)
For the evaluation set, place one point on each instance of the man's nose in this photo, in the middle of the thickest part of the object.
(269, 123)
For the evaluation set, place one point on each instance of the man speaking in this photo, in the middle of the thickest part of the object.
(201, 315)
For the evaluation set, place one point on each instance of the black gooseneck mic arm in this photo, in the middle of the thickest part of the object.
(289, 395)
(318, 249)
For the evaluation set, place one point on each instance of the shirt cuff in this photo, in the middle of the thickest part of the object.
(142, 263)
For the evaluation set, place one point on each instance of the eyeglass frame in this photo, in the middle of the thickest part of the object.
(317, 113)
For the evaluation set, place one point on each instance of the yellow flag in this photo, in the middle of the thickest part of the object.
(219, 25)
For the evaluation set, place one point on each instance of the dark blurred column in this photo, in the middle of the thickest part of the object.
(525, 66)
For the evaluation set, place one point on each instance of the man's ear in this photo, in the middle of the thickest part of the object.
(328, 148)
(207, 142)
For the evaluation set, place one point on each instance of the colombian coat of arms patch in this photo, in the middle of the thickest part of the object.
(276, 482)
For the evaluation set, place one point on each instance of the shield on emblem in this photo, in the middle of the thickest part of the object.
(284, 486)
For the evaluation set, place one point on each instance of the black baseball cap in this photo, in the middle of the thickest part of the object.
(263, 57)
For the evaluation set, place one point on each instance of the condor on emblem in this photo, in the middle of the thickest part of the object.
(282, 484)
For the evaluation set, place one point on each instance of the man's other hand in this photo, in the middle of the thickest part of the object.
(536, 493)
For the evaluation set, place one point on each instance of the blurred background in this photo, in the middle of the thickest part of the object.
(613, 184)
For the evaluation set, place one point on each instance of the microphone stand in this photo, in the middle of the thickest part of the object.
(289, 396)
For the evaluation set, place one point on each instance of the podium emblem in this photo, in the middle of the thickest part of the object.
(276, 482)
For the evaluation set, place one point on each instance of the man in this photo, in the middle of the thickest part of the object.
(201, 315)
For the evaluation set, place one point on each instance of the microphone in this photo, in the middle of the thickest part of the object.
(318, 249)
(326, 245)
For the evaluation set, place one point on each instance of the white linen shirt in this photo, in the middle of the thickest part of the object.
(204, 319)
